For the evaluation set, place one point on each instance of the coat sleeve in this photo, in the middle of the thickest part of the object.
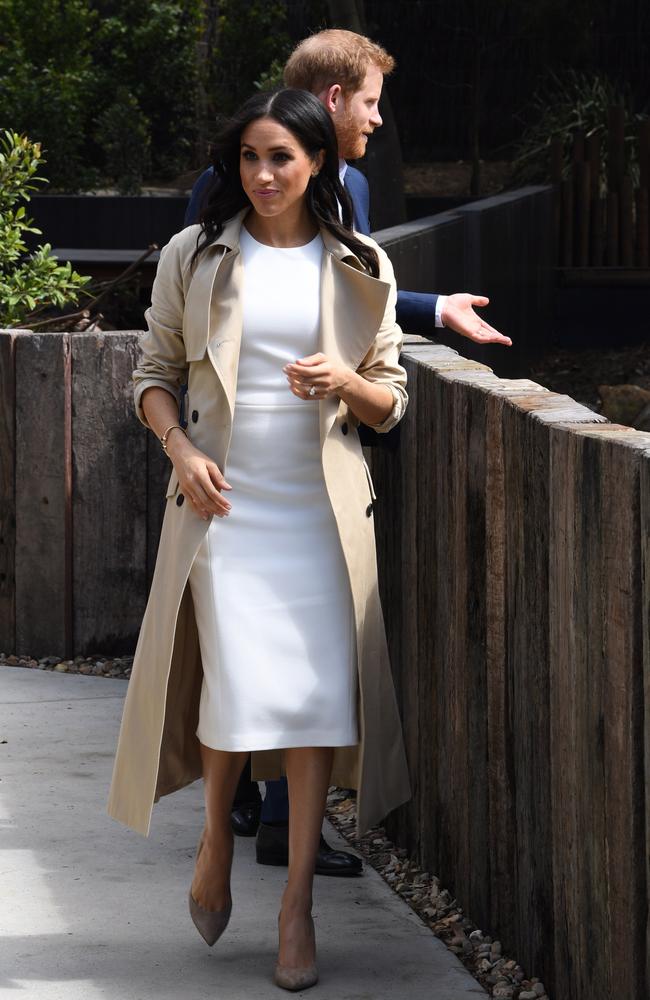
(162, 359)
(381, 363)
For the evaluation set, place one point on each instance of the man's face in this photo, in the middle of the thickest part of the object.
(356, 116)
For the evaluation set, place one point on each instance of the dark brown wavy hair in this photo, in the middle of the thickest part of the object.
(306, 118)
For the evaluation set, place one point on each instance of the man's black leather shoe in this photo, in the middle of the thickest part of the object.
(245, 819)
(272, 848)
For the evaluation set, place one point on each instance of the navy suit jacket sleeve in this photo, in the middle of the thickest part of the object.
(416, 311)
(194, 206)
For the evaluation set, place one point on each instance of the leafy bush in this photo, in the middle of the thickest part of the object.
(123, 133)
(49, 82)
(30, 282)
(243, 41)
(563, 106)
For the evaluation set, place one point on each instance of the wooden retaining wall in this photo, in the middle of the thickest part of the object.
(81, 495)
(512, 529)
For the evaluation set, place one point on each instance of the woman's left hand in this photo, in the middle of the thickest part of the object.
(318, 371)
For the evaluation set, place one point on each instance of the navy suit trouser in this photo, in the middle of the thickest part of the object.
(275, 807)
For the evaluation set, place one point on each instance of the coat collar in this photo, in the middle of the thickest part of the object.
(230, 237)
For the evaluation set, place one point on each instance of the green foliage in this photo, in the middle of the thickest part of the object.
(149, 50)
(26, 282)
(73, 72)
(48, 81)
(123, 133)
(271, 78)
(243, 40)
(563, 106)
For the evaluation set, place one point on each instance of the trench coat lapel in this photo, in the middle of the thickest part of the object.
(352, 305)
(213, 308)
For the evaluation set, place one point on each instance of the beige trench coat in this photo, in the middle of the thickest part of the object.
(194, 333)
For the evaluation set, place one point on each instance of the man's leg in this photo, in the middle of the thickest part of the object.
(272, 844)
(245, 813)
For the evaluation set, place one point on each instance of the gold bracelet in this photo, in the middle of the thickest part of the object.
(163, 439)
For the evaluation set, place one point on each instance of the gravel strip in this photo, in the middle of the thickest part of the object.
(500, 976)
(98, 666)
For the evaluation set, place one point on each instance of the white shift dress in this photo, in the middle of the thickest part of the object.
(269, 584)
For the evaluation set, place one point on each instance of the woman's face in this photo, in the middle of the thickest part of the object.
(274, 168)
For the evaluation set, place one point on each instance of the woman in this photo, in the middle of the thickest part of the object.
(263, 631)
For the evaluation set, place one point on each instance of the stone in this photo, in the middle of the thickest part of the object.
(528, 995)
(623, 404)
(539, 989)
(61, 667)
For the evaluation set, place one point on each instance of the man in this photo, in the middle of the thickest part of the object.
(346, 72)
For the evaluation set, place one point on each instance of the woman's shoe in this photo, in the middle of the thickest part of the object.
(293, 978)
(209, 923)
(290, 978)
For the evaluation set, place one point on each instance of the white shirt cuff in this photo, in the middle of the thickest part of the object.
(440, 304)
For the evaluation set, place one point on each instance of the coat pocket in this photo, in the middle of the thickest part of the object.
(172, 485)
(370, 482)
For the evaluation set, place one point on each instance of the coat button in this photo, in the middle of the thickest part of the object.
(369, 510)
(344, 427)
(195, 416)
(179, 500)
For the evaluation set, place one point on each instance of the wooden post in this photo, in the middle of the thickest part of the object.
(612, 229)
(616, 148)
(567, 222)
(556, 168)
(43, 501)
(642, 227)
(8, 492)
(592, 155)
(557, 160)
(626, 220)
(583, 212)
(643, 195)
(109, 525)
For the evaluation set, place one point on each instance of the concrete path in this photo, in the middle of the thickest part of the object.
(89, 909)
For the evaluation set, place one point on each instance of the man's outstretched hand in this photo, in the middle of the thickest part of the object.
(458, 314)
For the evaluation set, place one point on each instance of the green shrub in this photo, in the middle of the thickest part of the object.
(27, 282)
(563, 106)
(123, 133)
(48, 82)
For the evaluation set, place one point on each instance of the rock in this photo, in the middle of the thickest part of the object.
(13, 660)
(84, 668)
(642, 419)
(484, 965)
(528, 995)
(62, 669)
(539, 989)
(503, 992)
(495, 947)
(622, 404)
(476, 935)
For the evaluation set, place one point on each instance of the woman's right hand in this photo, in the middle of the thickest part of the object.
(199, 478)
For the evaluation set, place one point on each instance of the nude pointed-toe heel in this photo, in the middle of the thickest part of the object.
(209, 923)
(293, 979)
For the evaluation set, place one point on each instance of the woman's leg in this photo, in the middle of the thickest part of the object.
(221, 772)
(308, 774)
